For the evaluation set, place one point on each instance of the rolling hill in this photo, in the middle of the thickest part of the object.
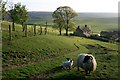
(48, 15)
(96, 21)
(40, 56)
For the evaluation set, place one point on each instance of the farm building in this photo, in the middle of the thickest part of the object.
(84, 32)
(110, 35)
(79, 32)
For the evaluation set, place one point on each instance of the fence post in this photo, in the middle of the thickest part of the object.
(10, 33)
(40, 30)
(45, 28)
(34, 29)
(25, 30)
(23, 27)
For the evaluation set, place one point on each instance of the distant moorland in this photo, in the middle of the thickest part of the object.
(96, 21)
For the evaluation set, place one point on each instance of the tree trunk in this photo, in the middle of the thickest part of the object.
(66, 31)
(25, 30)
(67, 28)
(3, 18)
(23, 27)
(60, 31)
(13, 25)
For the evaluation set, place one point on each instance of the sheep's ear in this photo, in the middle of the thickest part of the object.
(68, 59)
(91, 57)
(71, 59)
(87, 57)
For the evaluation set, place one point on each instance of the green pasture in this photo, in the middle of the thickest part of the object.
(40, 56)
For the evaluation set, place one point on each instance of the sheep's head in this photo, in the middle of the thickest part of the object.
(87, 58)
(68, 59)
(71, 60)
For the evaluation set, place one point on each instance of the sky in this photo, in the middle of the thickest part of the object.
(77, 5)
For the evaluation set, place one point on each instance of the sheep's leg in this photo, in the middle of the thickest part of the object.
(63, 68)
(86, 71)
(69, 67)
(66, 68)
(78, 68)
(89, 72)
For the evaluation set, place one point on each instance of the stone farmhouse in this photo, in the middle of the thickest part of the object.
(114, 35)
(83, 32)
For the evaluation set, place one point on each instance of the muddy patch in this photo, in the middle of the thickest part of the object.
(98, 49)
(47, 74)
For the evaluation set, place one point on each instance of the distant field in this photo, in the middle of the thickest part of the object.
(96, 21)
(41, 21)
(95, 24)
(99, 24)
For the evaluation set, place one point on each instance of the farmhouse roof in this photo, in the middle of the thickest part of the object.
(86, 29)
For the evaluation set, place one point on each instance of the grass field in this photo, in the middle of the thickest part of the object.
(96, 24)
(40, 56)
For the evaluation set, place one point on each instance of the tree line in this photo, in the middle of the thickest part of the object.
(62, 16)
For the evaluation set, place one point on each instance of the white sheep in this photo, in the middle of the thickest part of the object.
(67, 64)
(86, 62)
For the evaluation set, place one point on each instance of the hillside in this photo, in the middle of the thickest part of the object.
(40, 56)
(44, 15)
(40, 15)
(96, 21)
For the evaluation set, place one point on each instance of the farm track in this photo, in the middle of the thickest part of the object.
(58, 69)
(51, 72)
(47, 74)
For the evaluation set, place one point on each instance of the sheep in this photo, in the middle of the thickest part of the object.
(67, 64)
(86, 62)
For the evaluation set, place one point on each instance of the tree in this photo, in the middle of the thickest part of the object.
(59, 24)
(18, 14)
(21, 14)
(58, 20)
(3, 9)
(0, 10)
(11, 14)
(62, 17)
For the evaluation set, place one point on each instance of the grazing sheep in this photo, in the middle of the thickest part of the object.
(86, 62)
(67, 64)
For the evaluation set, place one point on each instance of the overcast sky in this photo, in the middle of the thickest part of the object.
(77, 5)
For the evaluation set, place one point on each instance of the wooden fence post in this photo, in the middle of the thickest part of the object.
(25, 30)
(34, 30)
(45, 28)
(23, 27)
(10, 33)
(40, 30)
